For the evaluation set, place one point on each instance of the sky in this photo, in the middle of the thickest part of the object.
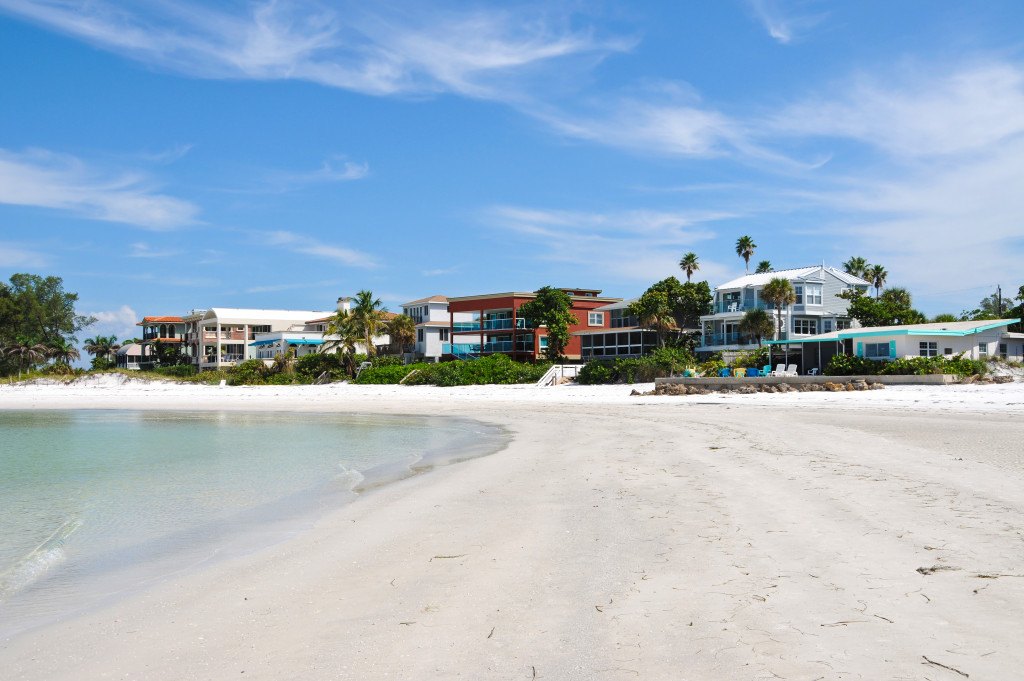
(162, 156)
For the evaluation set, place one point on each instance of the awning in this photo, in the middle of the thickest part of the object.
(262, 342)
(305, 341)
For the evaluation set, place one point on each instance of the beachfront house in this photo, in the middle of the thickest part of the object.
(489, 324)
(818, 308)
(623, 336)
(221, 337)
(433, 327)
(983, 339)
(308, 337)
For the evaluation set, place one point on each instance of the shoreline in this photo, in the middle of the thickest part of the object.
(615, 537)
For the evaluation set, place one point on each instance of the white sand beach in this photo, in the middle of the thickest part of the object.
(871, 535)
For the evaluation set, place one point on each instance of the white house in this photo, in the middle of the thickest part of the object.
(983, 339)
(818, 307)
(432, 326)
(221, 336)
(306, 338)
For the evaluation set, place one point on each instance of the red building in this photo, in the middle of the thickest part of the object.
(489, 324)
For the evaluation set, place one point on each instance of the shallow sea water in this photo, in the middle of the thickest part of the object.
(99, 503)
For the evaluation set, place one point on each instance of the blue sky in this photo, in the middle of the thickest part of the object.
(162, 156)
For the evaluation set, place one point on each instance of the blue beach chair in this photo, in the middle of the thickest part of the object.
(723, 373)
(753, 373)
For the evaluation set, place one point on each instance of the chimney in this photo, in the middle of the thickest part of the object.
(344, 304)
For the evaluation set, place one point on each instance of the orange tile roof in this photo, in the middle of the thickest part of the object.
(151, 320)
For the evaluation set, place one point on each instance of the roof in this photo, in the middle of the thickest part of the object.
(798, 273)
(533, 294)
(932, 329)
(233, 315)
(159, 320)
(621, 305)
(387, 315)
(431, 299)
(434, 323)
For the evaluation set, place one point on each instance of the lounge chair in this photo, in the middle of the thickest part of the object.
(753, 373)
(780, 370)
(791, 370)
(766, 371)
(812, 372)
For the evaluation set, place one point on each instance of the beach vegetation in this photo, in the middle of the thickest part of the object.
(884, 311)
(848, 365)
(669, 306)
(764, 267)
(757, 322)
(689, 264)
(551, 308)
(370, 317)
(877, 275)
(491, 370)
(778, 293)
(754, 359)
(745, 249)
(856, 267)
(663, 362)
(402, 331)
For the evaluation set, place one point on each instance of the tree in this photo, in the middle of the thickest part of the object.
(881, 312)
(779, 293)
(763, 267)
(945, 317)
(898, 296)
(689, 263)
(24, 349)
(102, 347)
(654, 309)
(551, 308)
(991, 307)
(341, 335)
(876, 274)
(745, 249)
(370, 317)
(402, 330)
(63, 352)
(758, 323)
(38, 307)
(856, 267)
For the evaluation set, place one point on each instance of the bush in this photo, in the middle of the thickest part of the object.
(308, 368)
(494, 369)
(249, 372)
(596, 372)
(711, 368)
(60, 369)
(388, 374)
(844, 365)
(179, 371)
(381, 361)
(754, 359)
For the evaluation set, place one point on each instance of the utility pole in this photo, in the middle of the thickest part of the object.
(999, 301)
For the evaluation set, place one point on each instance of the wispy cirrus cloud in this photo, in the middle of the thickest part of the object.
(16, 255)
(784, 19)
(374, 49)
(299, 243)
(144, 250)
(46, 179)
(631, 244)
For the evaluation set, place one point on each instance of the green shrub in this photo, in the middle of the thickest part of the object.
(754, 359)
(493, 369)
(249, 372)
(179, 371)
(596, 372)
(308, 368)
(381, 361)
(60, 369)
(711, 368)
(386, 375)
(845, 365)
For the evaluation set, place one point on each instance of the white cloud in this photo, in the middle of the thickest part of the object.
(120, 322)
(367, 48)
(14, 256)
(782, 23)
(143, 250)
(635, 244)
(299, 243)
(917, 115)
(48, 180)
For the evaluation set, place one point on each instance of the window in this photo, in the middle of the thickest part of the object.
(419, 335)
(928, 349)
(799, 291)
(444, 335)
(1002, 350)
(842, 323)
(876, 350)
(595, 318)
(814, 294)
(806, 327)
(543, 342)
(947, 351)
(826, 326)
(982, 349)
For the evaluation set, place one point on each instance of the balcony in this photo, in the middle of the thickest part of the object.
(719, 339)
(488, 325)
(460, 349)
(740, 306)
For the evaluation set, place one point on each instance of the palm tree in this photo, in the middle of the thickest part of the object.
(898, 296)
(763, 267)
(856, 267)
(945, 317)
(778, 292)
(689, 263)
(370, 317)
(24, 349)
(63, 352)
(342, 334)
(758, 323)
(102, 346)
(745, 248)
(876, 274)
(402, 330)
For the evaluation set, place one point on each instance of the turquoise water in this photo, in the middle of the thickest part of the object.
(95, 504)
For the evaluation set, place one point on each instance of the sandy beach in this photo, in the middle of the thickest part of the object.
(873, 535)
